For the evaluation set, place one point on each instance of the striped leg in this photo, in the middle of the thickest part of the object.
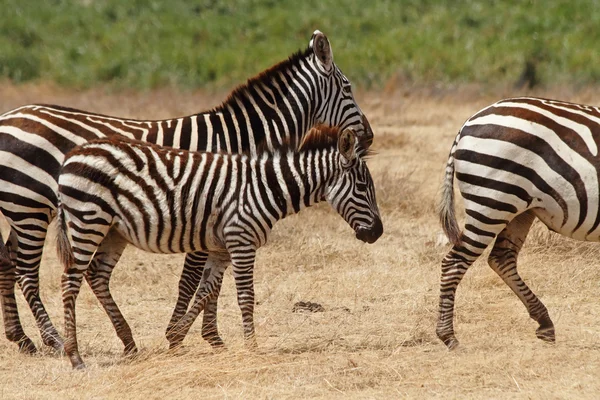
(210, 329)
(503, 260)
(71, 284)
(29, 255)
(74, 271)
(8, 277)
(188, 285)
(210, 286)
(98, 277)
(243, 273)
(479, 232)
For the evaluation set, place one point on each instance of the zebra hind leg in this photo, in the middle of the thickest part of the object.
(28, 258)
(503, 260)
(98, 277)
(209, 288)
(188, 285)
(210, 330)
(189, 282)
(475, 238)
(8, 278)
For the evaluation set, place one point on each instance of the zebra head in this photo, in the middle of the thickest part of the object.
(352, 193)
(337, 107)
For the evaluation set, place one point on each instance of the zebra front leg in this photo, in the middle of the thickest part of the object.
(503, 260)
(10, 314)
(29, 255)
(188, 285)
(209, 287)
(98, 277)
(242, 259)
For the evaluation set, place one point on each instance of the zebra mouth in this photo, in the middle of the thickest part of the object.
(370, 234)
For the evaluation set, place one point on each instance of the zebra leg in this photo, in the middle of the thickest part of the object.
(503, 260)
(29, 256)
(98, 277)
(210, 330)
(476, 236)
(211, 281)
(243, 273)
(76, 253)
(10, 314)
(71, 284)
(188, 285)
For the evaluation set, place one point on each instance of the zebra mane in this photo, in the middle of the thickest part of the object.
(264, 76)
(319, 137)
(324, 136)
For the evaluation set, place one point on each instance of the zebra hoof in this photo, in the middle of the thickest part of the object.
(451, 343)
(546, 334)
(130, 351)
(215, 341)
(79, 367)
(26, 346)
(77, 363)
(449, 340)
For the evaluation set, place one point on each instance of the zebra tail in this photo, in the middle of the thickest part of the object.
(63, 246)
(446, 206)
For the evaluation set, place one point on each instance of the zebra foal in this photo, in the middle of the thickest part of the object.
(173, 201)
(279, 105)
(516, 160)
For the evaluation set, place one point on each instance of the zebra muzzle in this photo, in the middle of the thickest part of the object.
(370, 234)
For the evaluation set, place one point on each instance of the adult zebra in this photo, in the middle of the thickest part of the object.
(170, 201)
(516, 160)
(279, 104)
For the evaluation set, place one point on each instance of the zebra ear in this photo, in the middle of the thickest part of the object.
(322, 49)
(346, 144)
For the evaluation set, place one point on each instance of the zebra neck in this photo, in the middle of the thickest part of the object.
(278, 107)
(296, 180)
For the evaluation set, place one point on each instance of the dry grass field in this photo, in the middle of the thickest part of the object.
(376, 335)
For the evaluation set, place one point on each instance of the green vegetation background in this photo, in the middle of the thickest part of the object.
(215, 43)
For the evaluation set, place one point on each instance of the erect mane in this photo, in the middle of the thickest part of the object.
(320, 137)
(324, 137)
(265, 76)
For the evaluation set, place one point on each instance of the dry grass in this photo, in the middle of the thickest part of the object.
(376, 337)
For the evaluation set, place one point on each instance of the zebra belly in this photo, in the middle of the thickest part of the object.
(169, 239)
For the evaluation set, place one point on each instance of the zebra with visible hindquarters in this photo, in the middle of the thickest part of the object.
(173, 201)
(516, 160)
(278, 105)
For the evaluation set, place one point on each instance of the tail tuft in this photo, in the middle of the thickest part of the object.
(446, 207)
(63, 245)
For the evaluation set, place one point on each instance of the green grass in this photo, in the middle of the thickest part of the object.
(146, 44)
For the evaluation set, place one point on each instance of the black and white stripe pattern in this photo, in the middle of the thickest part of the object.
(173, 201)
(277, 106)
(516, 160)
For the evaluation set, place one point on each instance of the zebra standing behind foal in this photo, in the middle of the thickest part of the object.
(173, 201)
(516, 160)
(278, 105)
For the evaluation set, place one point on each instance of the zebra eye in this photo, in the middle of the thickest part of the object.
(347, 89)
(362, 187)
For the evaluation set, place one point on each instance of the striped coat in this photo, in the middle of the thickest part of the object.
(277, 106)
(173, 201)
(517, 160)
